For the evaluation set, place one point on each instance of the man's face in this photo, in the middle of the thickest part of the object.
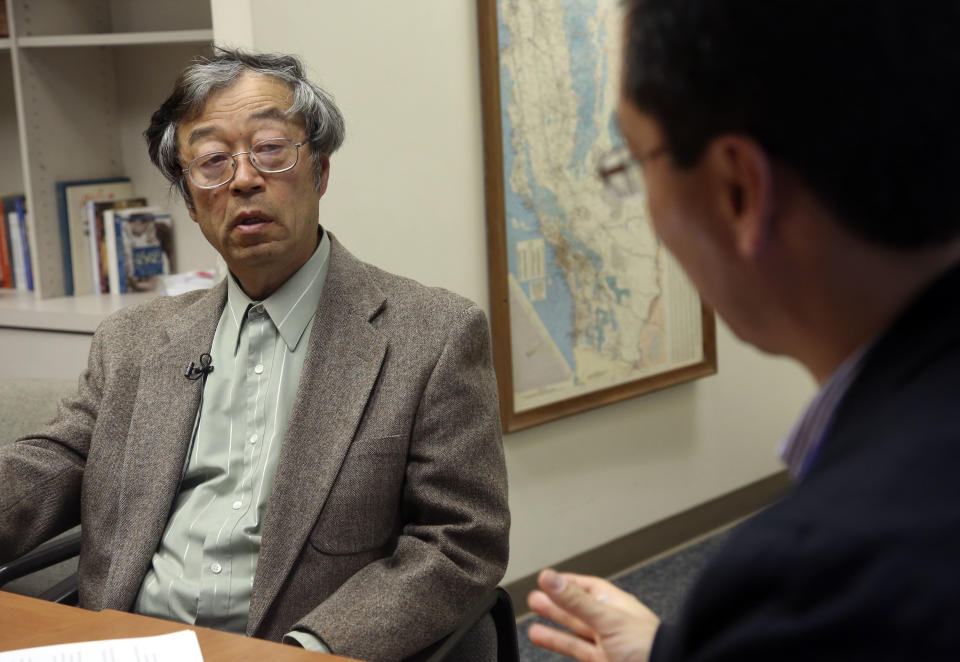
(690, 212)
(264, 225)
(675, 198)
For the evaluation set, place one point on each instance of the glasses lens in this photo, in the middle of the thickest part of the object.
(274, 155)
(211, 169)
(621, 174)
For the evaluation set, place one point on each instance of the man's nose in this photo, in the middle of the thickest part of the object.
(246, 177)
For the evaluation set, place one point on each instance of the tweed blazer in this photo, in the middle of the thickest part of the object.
(388, 516)
(859, 561)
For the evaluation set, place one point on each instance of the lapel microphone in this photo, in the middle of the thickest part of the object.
(195, 372)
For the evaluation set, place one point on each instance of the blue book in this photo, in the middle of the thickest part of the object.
(21, 207)
(72, 197)
(139, 248)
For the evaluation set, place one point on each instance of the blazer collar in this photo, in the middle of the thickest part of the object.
(927, 328)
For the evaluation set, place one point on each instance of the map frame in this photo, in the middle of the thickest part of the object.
(495, 194)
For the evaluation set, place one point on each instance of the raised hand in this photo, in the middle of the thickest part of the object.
(605, 623)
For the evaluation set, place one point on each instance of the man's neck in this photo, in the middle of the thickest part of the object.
(857, 293)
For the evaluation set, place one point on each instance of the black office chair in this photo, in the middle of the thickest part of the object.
(498, 605)
(52, 552)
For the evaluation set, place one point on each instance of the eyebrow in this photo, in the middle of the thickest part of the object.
(271, 113)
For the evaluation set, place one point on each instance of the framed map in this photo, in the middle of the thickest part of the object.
(587, 307)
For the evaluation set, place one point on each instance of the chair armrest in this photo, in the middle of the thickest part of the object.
(497, 603)
(43, 556)
(64, 592)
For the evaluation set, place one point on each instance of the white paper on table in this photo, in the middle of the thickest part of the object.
(179, 646)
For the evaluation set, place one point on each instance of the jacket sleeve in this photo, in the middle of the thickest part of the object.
(453, 544)
(42, 473)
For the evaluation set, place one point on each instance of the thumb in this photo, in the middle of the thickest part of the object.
(575, 600)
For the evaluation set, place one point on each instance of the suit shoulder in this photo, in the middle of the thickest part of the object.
(408, 295)
(144, 316)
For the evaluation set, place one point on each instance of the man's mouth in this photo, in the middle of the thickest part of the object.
(247, 222)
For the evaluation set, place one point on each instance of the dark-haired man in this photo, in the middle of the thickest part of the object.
(336, 480)
(800, 160)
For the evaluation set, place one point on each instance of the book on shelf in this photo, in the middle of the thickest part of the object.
(139, 248)
(15, 214)
(100, 277)
(6, 267)
(72, 198)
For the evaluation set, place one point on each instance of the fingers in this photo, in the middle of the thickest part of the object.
(569, 596)
(607, 592)
(541, 603)
(564, 643)
(594, 585)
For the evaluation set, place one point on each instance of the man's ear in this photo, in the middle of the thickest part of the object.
(324, 175)
(744, 191)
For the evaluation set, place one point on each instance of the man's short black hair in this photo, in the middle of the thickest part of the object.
(858, 97)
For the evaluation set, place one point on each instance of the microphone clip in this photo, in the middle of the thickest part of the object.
(195, 372)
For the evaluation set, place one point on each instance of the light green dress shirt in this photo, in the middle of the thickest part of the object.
(202, 572)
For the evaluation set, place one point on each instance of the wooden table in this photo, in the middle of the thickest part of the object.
(28, 622)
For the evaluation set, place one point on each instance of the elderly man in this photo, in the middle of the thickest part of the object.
(800, 159)
(311, 450)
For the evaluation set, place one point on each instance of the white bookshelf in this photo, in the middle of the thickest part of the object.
(118, 39)
(78, 82)
(77, 314)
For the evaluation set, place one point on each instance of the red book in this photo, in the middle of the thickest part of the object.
(6, 269)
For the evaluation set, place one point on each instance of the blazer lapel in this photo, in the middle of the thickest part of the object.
(341, 367)
(160, 430)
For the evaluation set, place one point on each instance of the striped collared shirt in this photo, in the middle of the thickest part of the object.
(202, 572)
(800, 447)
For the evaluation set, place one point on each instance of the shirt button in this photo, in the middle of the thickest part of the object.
(258, 368)
(254, 438)
(237, 505)
(216, 568)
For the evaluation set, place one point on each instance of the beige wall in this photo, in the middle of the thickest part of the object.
(406, 193)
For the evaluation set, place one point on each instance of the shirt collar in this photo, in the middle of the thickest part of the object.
(294, 303)
(801, 445)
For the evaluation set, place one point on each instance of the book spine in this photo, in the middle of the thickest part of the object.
(6, 268)
(25, 241)
(94, 244)
(121, 267)
(16, 250)
(65, 256)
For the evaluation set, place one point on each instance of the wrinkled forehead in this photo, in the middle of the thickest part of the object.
(251, 92)
(252, 99)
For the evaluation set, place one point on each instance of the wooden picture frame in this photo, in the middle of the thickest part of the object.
(512, 418)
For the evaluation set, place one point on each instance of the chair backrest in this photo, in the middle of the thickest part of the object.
(27, 404)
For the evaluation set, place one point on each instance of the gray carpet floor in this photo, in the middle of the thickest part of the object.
(661, 585)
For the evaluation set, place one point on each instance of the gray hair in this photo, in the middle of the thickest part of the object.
(205, 76)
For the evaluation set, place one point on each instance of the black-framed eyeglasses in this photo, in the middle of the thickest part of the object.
(268, 156)
(622, 173)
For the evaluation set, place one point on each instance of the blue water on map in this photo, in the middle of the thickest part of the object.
(556, 312)
(583, 51)
(613, 130)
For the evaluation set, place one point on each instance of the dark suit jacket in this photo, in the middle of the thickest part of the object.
(861, 561)
(388, 515)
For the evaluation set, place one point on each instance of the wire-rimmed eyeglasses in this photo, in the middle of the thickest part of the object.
(268, 156)
(622, 173)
